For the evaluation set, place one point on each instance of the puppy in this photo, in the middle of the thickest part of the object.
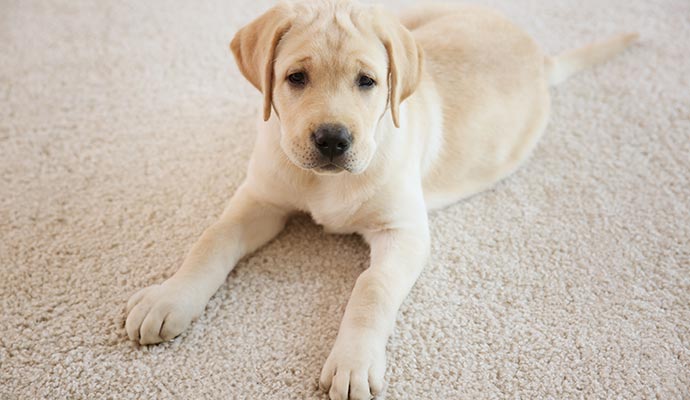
(369, 121)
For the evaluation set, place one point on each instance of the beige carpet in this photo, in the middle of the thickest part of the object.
(125, 126)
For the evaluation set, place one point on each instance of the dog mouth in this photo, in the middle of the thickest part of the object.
(328, 169)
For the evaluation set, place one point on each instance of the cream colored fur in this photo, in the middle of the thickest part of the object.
(461, 99)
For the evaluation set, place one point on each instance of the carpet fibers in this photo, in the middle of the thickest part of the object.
(125, 126)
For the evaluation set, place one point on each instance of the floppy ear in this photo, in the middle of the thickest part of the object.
(254, 50)
(405, 59)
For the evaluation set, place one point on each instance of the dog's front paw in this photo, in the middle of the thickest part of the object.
(354, 370)
(161, 312)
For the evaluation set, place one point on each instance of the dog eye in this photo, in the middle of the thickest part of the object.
(365, 82)
(298, 79)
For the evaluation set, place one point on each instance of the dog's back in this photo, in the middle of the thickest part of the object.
(494, 97)
(492, 82)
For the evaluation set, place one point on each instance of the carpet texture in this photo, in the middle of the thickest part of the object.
(125, 126)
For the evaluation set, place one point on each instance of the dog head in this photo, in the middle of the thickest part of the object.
(330, 70)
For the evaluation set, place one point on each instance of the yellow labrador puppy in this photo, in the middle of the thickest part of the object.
(369, 122)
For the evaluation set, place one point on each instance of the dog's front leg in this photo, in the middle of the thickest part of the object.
(161, 312)
(356, 365)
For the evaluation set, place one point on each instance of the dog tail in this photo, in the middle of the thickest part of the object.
(560, 67)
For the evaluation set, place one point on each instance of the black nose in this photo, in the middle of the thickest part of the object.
(332, 140)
